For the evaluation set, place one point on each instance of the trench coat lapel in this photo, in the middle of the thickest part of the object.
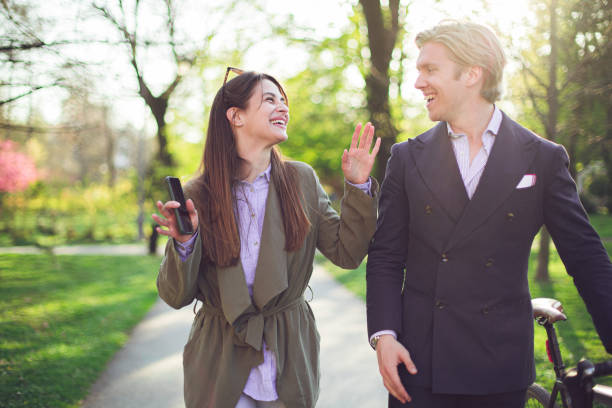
(235, 298)
(509, 160)
(436, 162)
(271, 270)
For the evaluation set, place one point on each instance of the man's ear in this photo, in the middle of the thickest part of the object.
(234, 117)
(474, 74)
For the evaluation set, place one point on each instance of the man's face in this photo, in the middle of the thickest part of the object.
(441, 81)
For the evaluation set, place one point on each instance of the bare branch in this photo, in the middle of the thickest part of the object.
(533, 75)
(171, 87)
(24, 46)
(171, 29)
(534, 99)
(38, 129)
(31, 91)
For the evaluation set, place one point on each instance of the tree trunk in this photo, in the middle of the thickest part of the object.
(380, 116)
(607, 155)
(381, 39)
(159, 106)
(542, 274)
(110, 149)
(153, 239)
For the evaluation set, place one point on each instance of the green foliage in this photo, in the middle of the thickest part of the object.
(326, 101)
(62, 319)
(49, 215)
(582, 124)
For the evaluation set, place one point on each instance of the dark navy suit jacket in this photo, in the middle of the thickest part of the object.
(449, 274)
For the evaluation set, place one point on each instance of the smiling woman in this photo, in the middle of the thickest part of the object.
(258, 220)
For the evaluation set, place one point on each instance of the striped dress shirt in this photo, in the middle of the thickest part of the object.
(471, 172)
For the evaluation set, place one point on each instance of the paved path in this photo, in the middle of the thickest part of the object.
(349, 372)
(125, 249)
(147, 371)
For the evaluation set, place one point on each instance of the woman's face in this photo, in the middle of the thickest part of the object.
(266, 115)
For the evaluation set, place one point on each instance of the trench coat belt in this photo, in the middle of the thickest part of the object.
(251, 332)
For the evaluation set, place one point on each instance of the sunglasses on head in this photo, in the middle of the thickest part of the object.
(236, 71)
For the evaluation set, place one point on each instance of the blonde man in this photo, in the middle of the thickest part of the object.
(449, 310)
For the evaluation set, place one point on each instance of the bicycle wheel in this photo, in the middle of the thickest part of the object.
(537, 397)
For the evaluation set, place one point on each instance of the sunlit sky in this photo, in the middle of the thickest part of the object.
(322, 17)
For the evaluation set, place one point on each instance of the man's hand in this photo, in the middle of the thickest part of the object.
(390, 354)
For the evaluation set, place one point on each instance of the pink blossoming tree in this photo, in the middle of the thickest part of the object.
(17, 170)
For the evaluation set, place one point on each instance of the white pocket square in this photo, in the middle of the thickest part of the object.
(527, 181)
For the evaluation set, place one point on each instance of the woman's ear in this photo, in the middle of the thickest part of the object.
(233, 115)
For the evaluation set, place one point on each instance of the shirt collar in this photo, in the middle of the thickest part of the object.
(268, 171)
(265, 175)
(492, 127)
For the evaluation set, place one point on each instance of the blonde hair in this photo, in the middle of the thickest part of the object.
(471, 44)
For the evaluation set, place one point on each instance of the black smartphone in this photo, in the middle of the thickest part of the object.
(182, 216)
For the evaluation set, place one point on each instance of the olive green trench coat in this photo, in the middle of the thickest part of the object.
(225, 342)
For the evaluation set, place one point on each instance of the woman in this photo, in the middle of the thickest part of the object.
(258, 220)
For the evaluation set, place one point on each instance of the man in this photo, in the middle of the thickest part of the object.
(449, 309)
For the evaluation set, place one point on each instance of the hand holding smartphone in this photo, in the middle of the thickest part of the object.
(182, 215)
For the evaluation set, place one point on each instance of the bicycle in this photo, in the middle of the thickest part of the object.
(575, 385)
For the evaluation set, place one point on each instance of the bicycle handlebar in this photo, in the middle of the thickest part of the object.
(603, 369)
(579, 382)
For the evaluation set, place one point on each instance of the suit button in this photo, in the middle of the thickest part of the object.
(485, 310)
(444, 258)
(510, 216)
(428, 209)
(440, 305)
(489, 263)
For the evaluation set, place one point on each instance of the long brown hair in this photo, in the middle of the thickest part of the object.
(211, 191)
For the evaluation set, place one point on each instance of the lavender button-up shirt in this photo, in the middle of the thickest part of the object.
(251, 205)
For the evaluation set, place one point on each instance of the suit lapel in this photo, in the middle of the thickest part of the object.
(435, 159)
(271, 270)
(508, 162)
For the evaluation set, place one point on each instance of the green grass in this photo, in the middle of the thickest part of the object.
(577, 335)
(61, 320)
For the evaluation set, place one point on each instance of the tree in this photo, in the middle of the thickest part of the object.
(384, 30)
(158, 104)
(17, 169)
(325, 107)
(31, 57)
(86, 148)
(548, 119)
(560, 87)
(136, 44)
(592, 55)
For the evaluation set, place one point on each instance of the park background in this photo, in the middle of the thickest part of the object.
(99, 100)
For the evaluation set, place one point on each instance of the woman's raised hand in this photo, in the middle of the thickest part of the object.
(169, 219)
(357, 161)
